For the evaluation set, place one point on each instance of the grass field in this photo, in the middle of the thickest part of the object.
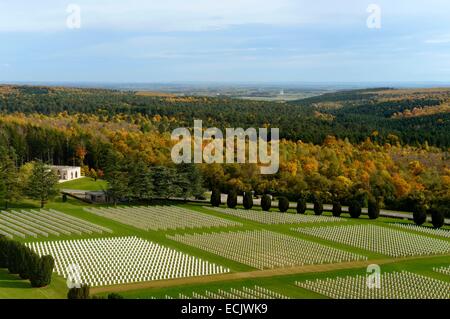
(85, 183)
(12, 287)
(278, 280)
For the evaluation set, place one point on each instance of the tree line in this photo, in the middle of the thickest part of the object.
(355, 206)
(359, 112)
(135, 180)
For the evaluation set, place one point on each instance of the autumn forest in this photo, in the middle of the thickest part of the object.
(385, 144)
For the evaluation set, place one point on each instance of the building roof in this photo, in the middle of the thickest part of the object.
(64, 167)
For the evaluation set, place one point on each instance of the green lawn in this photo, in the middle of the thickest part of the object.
(85, 183)
(11, 287)
(286, 284)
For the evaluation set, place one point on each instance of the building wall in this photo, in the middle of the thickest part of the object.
(68, 173)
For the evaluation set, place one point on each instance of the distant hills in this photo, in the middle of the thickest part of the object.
(413, 116)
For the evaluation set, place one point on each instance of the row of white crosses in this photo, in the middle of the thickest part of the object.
(393, 285)
(426, 230)
(121, 260)
(265, 249)
(380, 239)
(443, 270)
(161, 217)
(271, 218)
(45, 223)
(255, 292)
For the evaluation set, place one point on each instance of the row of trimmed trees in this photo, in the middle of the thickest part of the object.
(355, 207)
(420, 213)
(21, 260)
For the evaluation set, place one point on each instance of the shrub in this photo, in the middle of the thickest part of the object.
(73, 293)
(419, 214)
(266, 202)
(318, 207)
(248, 200)
(373, 209)
(215, 198)
(437, 217)
(4, 247)
(115, 296)
(445, 210)
(30, 259)
(301, 206)
(355, 209)
(337, 209)
(79, 293)
(42, 274)
(21, 260)
(232, 199)
(283, 204)
(15, 257)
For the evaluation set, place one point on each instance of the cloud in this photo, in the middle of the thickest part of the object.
(142, 40)
(201, 15)
(198, 15)
(153, 15)
(439, 39)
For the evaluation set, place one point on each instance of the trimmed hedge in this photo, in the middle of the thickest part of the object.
(248, 200)
(79, 293)
(301, 206)
(354, 209)
(337, 209)
(232, 199)
(318, 207)
(216, 198)
(42, 275)
(283, 204)
(4, 251)
(21, 260)
(373, 209)
(419, 214)
(266, 202)
(437, 217)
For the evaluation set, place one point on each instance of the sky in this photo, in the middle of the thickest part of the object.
(225, 41)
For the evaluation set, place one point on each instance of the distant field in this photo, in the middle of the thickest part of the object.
(155, 94)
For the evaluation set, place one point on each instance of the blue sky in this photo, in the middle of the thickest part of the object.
(225, 41)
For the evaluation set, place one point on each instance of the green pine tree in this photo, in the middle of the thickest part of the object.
(140, 180)
(43, 183)
(9, 183)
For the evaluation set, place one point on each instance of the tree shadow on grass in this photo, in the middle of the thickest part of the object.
(8, 280)
(23, 205)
